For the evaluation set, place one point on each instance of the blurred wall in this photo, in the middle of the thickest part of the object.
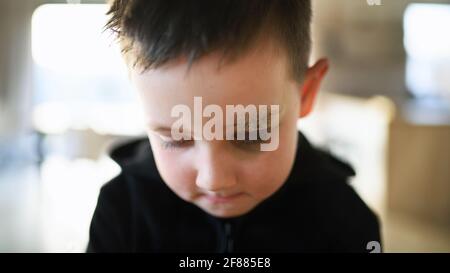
(15, 65)
(364, 44)
(419, 175)
(366, 50)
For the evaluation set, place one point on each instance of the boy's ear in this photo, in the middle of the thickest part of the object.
(311, 86)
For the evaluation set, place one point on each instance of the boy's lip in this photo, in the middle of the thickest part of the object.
(214, 198)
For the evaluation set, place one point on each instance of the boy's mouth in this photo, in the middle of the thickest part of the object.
(214, 198)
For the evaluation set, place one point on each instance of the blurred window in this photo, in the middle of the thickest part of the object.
(427, 43)
(80, 79)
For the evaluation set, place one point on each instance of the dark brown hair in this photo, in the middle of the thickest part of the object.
(158, 31)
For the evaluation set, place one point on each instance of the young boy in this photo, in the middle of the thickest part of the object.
(199, 194)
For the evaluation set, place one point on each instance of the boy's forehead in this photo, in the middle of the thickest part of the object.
(259, 77)
(260, 65)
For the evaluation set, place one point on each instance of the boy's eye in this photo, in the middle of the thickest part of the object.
(248, 143)
(167, 144)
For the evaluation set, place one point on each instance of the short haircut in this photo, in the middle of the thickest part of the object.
(155, 32)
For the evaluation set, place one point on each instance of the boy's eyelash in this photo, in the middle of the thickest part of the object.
(249, 141)
(174, 144)
(182, 143)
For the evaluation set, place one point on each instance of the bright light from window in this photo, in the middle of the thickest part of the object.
(80, 79)
(70, 38)
(427, 43)
(427, 30)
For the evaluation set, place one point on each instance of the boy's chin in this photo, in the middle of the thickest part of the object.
(225, 214)
(225, 210)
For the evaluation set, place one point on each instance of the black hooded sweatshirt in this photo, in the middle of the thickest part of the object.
(314, 211)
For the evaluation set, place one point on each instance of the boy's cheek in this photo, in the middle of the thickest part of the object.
(177, 175)
(181, 182)
(183, 185)
(262, 182)
(267, 179)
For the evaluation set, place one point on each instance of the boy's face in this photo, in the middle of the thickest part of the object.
(224, 178)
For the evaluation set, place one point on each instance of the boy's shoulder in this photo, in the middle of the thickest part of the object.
(325, 179)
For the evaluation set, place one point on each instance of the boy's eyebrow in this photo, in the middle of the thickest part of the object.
(168, 131)
(165, 129)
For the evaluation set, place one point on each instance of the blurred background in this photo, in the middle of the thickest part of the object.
(65, 98)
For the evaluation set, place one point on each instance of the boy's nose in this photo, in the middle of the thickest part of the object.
(214, 168)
